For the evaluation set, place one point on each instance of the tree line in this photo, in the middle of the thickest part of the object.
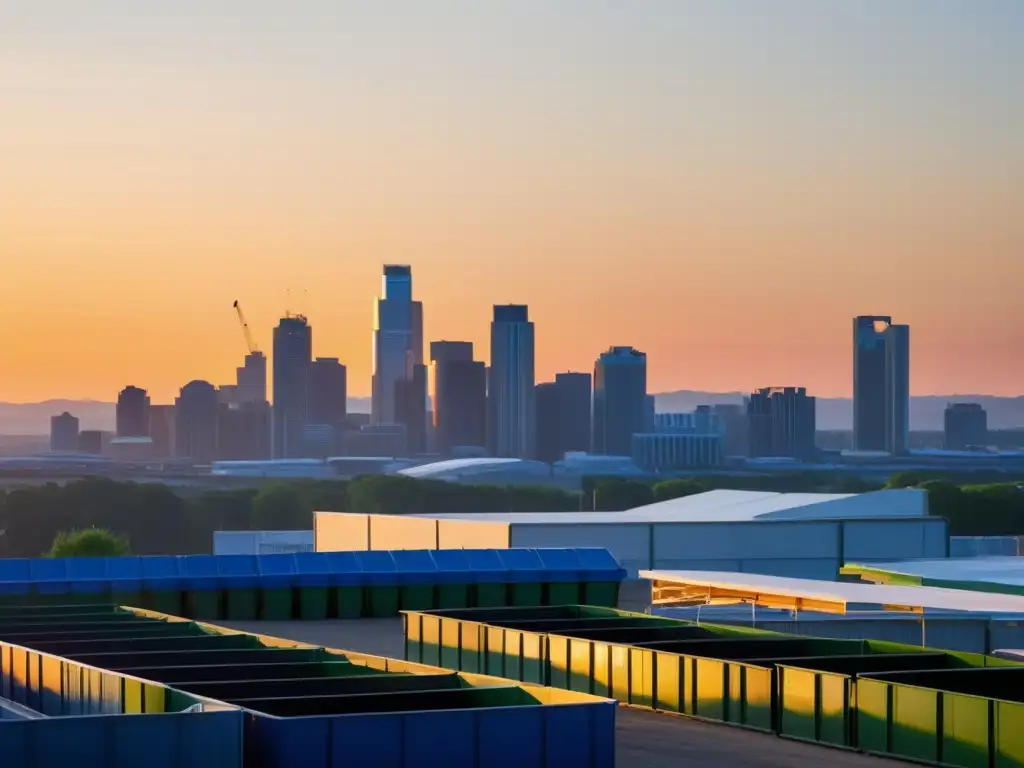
(155, 519)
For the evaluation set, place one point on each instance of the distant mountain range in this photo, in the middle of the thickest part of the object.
(833, 413)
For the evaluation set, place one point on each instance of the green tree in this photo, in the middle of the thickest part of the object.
(906, 479)
(89, 542)
(677, 489)
(616, 495)
(280, 507)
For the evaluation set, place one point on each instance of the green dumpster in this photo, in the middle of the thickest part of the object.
(204, 604)
(453, 596)
(488, 595)
(526, 574)
(564, 593)
(603, 593)
(241, 604)
(164, 601)
(277, 604)
(382, 601)
(313, 603)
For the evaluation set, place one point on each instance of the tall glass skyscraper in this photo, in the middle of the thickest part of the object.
(397, 343)
(293, 355)
(881, 384)
(620, 400)
(510, 396)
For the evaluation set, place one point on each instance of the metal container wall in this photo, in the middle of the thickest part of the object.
(261, 542)
(772, 540)
(888, 540)
(983, 546)
(555, 734)
(199, 740)
(812, 691)
(935, 726)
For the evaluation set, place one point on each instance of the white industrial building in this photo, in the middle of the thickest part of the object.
(796, 535)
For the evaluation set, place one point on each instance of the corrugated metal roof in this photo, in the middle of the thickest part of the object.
(835, 595)
(996, 570)
(731, 506)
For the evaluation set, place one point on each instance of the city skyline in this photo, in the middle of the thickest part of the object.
(733, 181)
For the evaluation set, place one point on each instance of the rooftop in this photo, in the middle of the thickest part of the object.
(1008, 571)
(827, 596)
(735, 506)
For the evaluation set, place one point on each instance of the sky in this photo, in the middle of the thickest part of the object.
(722, 184)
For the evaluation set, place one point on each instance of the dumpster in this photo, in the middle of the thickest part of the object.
(563, 576)
(525, 574)
(602, 576)
(163, 583)
(380, 575)
(277, 580)
(239, 579)
(202, 579)
(417, 577)
(490, 578)
(124, 581)
(454, 578)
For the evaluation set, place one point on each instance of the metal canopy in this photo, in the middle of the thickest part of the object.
(703, 587)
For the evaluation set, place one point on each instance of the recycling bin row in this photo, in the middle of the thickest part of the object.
(933, 706)
(288, 704)
(318, 585)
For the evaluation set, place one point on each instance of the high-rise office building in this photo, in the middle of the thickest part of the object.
(251, 379)
(735, 427)
(563, 416)
(132, 412)
(458, 387)
(548, 435)
(161, 430)
(966, 426)
(195, 422)
(575, 410)
(881, 384)
(411, 407)
(293, 356)
(64, 433)
(328, 392)
(397, 341)
(510, 394)
(620, 400)
(782, 423)
(243, 432)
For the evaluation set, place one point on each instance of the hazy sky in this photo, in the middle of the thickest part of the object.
(721, 184)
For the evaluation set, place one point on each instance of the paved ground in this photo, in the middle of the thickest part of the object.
(644, 739)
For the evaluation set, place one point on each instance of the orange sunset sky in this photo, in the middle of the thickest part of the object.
(722, 185)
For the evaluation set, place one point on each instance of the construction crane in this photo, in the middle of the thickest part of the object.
(253, 348)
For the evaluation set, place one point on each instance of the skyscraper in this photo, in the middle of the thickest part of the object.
(251, 379)
(512, 419)
(132, 412)
(63, 433)
(458, 386)
(328, 392)
(195, 422)
(782, 422)
(397, 340)
(548, 436)
(293, 354)
(966, 426)
(563, 416)
(881, 384)
(411, 407)
(620, 400)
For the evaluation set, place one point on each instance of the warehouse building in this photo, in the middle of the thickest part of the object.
(797, 535)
